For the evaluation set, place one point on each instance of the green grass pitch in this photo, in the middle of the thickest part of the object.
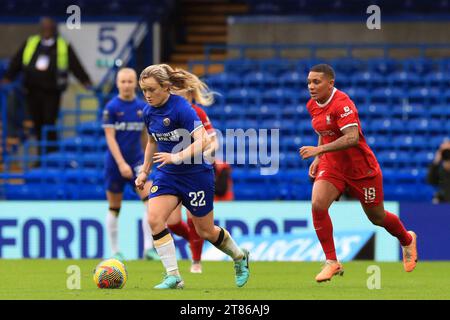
(46, 279)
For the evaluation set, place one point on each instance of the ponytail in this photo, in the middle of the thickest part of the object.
(180, 81)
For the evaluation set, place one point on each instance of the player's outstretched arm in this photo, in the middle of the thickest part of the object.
(348, 140)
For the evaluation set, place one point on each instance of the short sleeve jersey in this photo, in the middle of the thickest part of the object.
(126, 117)
(172, 126)
(328, 120)
(205, 120)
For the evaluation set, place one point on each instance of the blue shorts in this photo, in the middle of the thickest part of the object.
(115, 183)
(196, 190)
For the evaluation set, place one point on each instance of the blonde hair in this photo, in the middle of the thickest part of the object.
(126, 70)
(179, 82)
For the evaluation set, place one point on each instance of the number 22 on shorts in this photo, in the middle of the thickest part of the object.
(197, 198)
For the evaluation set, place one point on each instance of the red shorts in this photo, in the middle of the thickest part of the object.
(369, 190)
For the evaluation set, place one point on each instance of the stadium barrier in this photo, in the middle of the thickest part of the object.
(272, 231)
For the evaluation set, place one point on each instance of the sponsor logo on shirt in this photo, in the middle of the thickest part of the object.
(328, 117)
(172, 136)
(129, 126)
(326, 133)
(347, 111)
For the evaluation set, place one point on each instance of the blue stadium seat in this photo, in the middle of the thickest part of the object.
(359, 95)
(243, 96)
(424, 95)
(233, 111)
(402, 175)
(277, 66)
(242, 124)
(387, 125)
(373, 111)
(379, 142)
(293, 79)
(404, 78)
(282, 96)
(368, 79)
(41, 175)
(439, 111)
(259, 80)
(387, 95)
(394, 159)
(348, 65)
(419, 66)
(437, 79)
(423, 158)
(240, 66)
(409, 111)
(410, 142)
(436, 141)
(425, 125)
(384, 66)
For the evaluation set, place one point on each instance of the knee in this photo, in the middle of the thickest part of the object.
(155, 222)
(319, 208)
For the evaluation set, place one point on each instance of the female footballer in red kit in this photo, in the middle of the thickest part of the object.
(344, 160)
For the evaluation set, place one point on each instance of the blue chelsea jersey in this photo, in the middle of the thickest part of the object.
(171, 125)
(126, 117)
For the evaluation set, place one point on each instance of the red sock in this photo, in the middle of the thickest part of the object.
(195, 242)
(394, 226)
(180, 229)
(324, 230)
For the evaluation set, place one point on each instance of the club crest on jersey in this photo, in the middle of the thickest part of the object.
(140, 113)
(328, 117)
(166, 122)
(154, 189)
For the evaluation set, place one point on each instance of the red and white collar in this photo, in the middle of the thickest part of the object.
(321, 105)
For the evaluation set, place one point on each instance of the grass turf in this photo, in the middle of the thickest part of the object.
(46, 279)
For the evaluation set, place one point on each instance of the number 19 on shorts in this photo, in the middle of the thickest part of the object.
(197, 198)
(369, 195)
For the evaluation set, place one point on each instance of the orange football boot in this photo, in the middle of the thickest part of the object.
(410, 253)
(330, 269)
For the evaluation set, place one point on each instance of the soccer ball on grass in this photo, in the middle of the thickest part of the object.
(110, 274)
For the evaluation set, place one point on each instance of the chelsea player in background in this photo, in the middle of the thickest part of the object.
(177, 179)
(123, 125)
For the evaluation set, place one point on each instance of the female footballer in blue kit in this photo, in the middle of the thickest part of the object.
(170, 120)
(123, 125)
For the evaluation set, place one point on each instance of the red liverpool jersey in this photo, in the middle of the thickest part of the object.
(328, 119)
(204, 119)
